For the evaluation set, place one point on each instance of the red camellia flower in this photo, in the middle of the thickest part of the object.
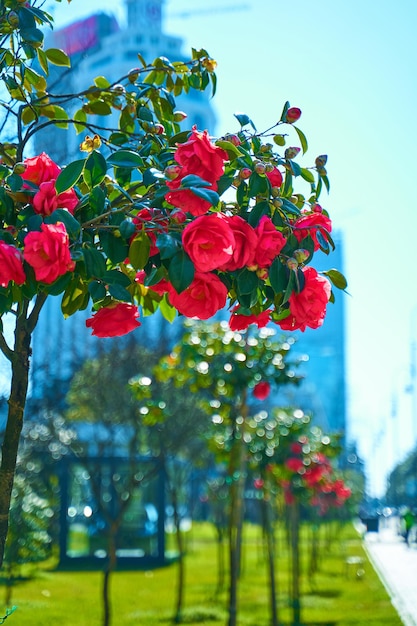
(246, 240)
(238, 321)
(311, 224)
(209, 241)
(270, 242)
(308, 308)
(202, 299)
(11, 265)
(296, 447)
(40, 169)
(275, 177)
(48, 252)
(293, 114)
(294, 464)
(201, 157)
(262, 390)
(186, 200)
(114, 320)
(46, 200)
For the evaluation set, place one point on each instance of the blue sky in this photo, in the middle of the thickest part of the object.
(351, 68)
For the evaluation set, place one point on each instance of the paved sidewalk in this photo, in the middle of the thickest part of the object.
(396, 564)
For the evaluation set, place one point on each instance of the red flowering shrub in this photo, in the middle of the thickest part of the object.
(199, 156)
(209, 241)
(114, 320)
(270, 242)
(308, 308)
(48, 252)
(238, 321)
(312, 224)
(11, 265)
(40, 169)
(46, 200)
(202, 299)
(262, 390)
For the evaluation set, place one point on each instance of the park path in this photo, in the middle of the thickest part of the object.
(396, 565)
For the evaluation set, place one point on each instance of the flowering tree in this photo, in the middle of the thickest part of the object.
(233, 373)
(152, 216)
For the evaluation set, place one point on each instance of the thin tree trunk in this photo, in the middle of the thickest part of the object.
(220, 559)
(19, 359)
(237, 473)
(181, 561)
(266, 515)
(111, 564)
(295, 559)
(16, 402)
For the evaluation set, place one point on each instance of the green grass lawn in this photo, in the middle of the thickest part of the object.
(334, 595)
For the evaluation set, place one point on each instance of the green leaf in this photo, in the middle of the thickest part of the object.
(230, 148)
(125, 158)
(302, 138)
(75, 298)
(120, 293)
(95, 263)
(96, 290)
(244, 120)
(278, 276)
(58, 57)
(114, 247)
(168, 246)
(307, 175)
(101, 82)
(80, 116)
(95, 169)
(206, 194)
(116, 277)
(139, 250)
(69, 176)
(99, 107)
(259, 210)
(247, 282)
(191, 180)
(290, 208)
(257, 184)
(336, 278)
(72, 225)
(181, 271)
(284, 112)
(167, 310)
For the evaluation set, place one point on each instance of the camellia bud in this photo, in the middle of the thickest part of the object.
(172, 171)
(292, 264)
(301, 255)
(19, 168)
(159, 129)
(293, 114)
(234, 139)
(119, 88)
(133, 74)
(279, 140)
(178, 216)
(260, 167)
(179, 116)
(291, 153)
(316, 208)
(245, 173)
(262, 273)
(269, 167)
(277, 203)
(275, 191)
(321, 160)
